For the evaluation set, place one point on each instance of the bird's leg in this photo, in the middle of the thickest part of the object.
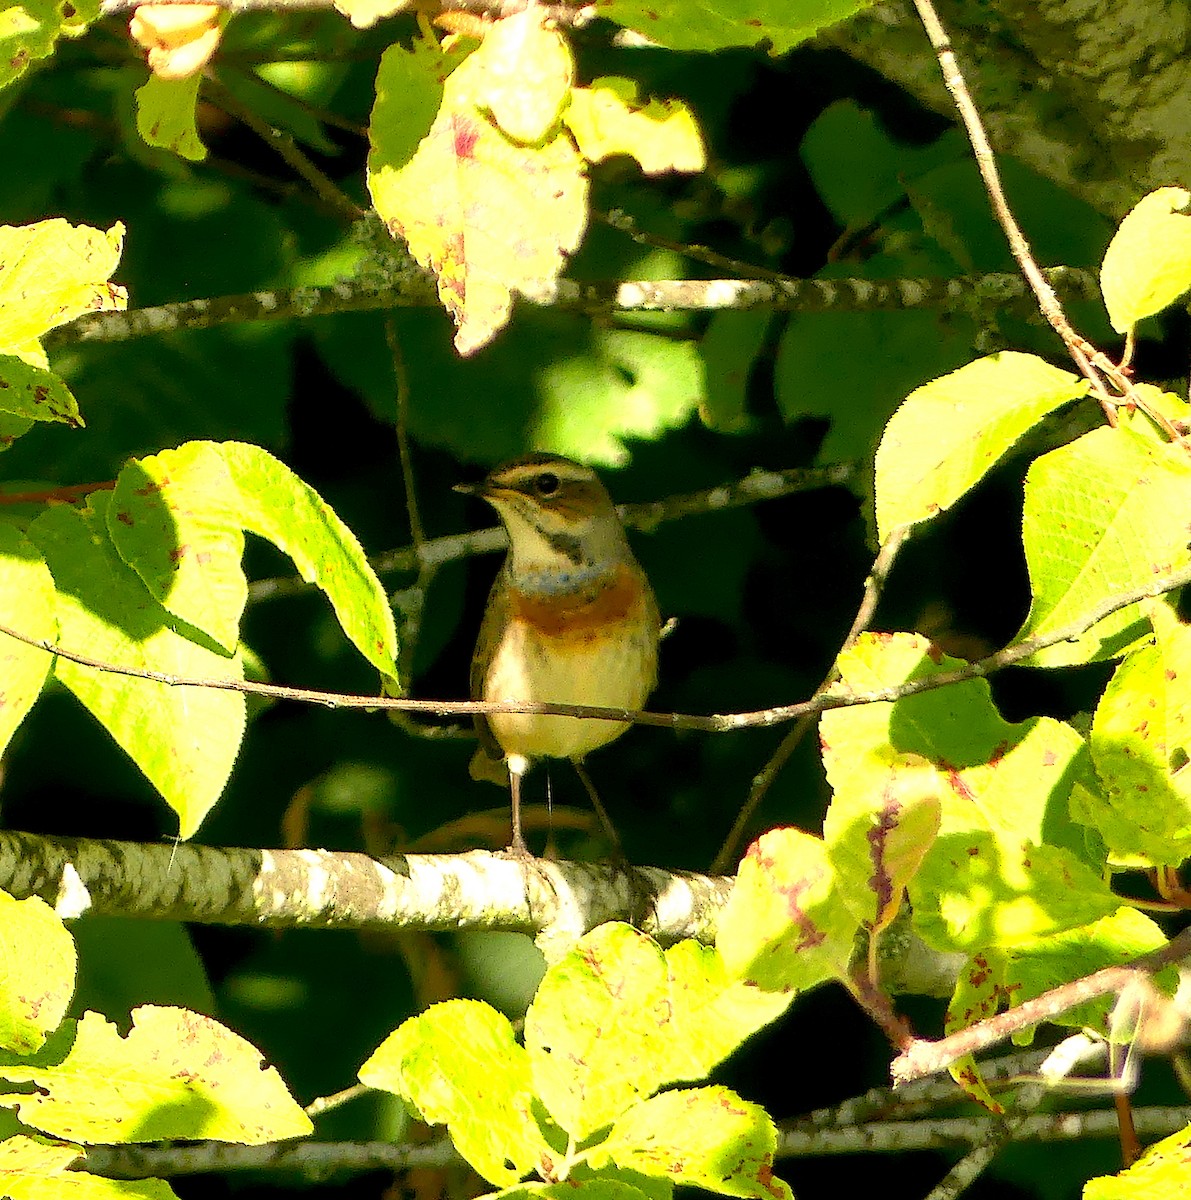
(518, 764)
(601, 811)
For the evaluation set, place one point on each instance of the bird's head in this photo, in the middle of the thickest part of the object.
(558, 514)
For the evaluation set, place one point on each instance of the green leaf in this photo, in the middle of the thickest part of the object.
(470, 182)
(630, 385)
(32, 392)
(1030, 971)
(29, 30)
(888, 355)
(715, 24)
(608, 118)
(1141, 741)
(977, 890)
(36, 975)
(711, 1012)
(950, 432)
(177, 518)
(592, 1031)
(876, 841)
(703, 1137)
(785, 926)
(176, 1075)
(979, 991)
(184, 739)
(1008, 866)
(1162, 1173)
(730, 345)
(1103, 515)
(27, 606)
(550, 382)
(1147, 265)
(36, 1169)
(409, 92)
(616, 1019)
(458, 1064)
(165, 115)
(50, 273)
(583, 1184)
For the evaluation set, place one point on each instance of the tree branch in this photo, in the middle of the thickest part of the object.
(413, 288)
(921, 1057)
(754, 488)
(710, 723)
(556, 901)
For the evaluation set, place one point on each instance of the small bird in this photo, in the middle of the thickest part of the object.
(571, 619)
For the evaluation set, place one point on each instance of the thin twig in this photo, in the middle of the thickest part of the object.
(754, 488)
(922, 1058)
(623, 222)
(763, 780)
(1093, 363)
(286, 147)
(415, 288)
(712, 723)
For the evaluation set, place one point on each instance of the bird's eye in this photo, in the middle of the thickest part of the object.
(546, 484)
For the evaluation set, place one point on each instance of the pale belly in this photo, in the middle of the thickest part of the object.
(614, 672)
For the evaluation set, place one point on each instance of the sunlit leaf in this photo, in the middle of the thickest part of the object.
(950, 432)
(1147, 265)
(459, 1065)
(1141, 745)
(702, 1137)
(37, 1169)
(608, 118)
(178, 519)
(1103, 515)
(184, 739)
(37, 969)
(616, 1019)
(28, 31)
(26, 606)
(176, 1075)
(179, 38)
(489, 215)
(1008, 866)
(715, 24)
(786, 926)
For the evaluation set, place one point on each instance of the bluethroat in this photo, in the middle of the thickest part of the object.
(571, 619)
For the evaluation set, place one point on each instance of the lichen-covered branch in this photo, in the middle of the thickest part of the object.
(414, 289)
(556, 901)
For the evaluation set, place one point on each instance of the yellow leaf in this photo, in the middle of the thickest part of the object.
(50, 273)
(363, 13)
(179, 38)
(522, 75)
(488, 215)
(608, 118)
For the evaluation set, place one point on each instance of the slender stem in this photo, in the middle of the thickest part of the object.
(712, 723)
(923, 1058)
(1092, 362)
(763, 780)
(336, 200)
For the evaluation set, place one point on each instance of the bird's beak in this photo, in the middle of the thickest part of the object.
(469, 489)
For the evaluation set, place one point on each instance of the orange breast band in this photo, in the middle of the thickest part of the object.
(579, 614)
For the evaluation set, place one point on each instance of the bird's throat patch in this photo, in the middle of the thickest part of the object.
(584, 613)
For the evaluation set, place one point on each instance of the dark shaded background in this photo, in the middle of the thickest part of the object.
(816, 165)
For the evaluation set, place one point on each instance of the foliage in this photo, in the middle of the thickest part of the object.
(991, 822)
